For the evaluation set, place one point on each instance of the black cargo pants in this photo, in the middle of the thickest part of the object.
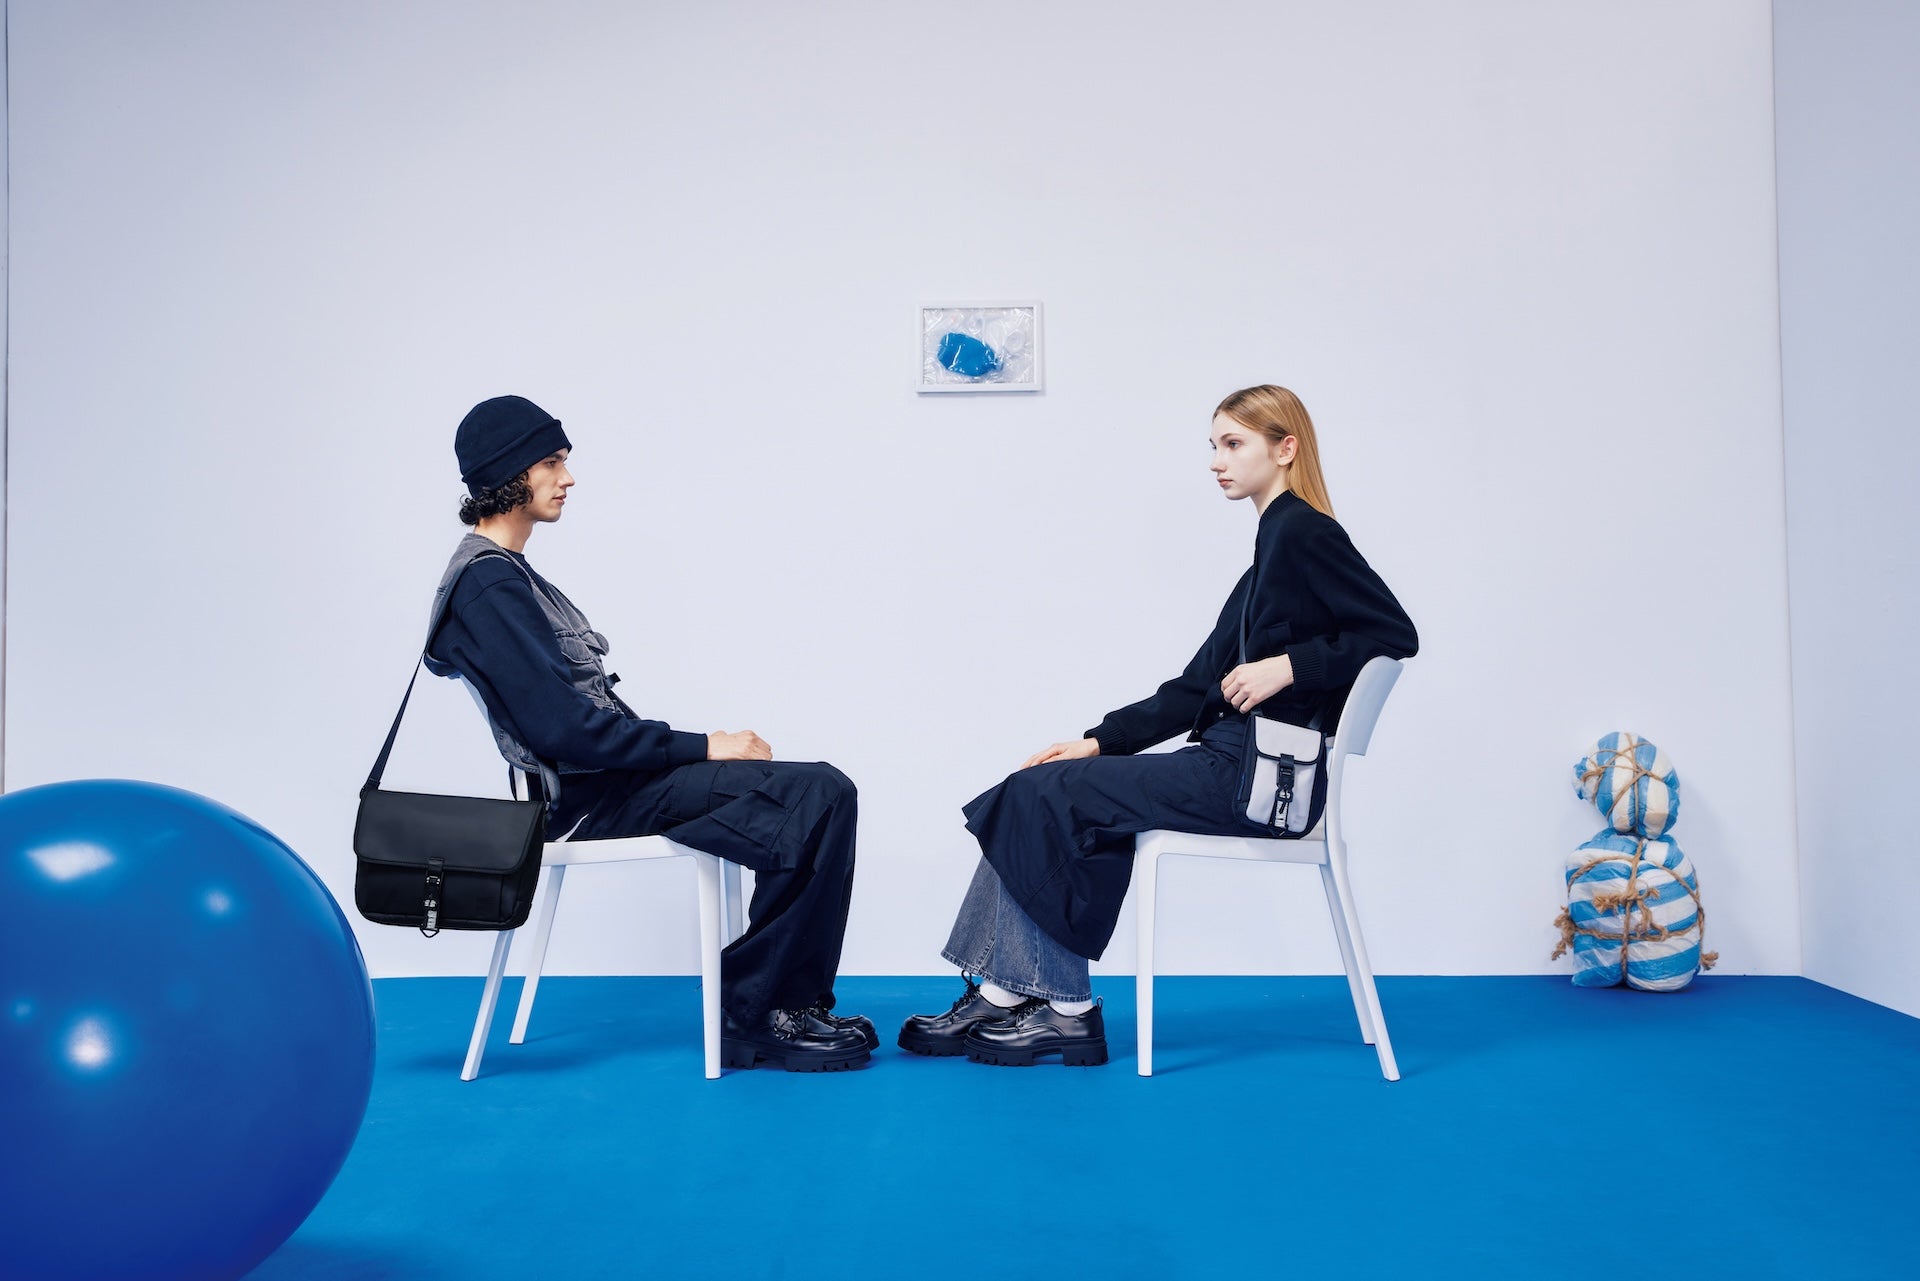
(791, 822)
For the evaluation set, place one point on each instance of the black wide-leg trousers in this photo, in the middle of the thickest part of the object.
(791, 822)
(1061, 835)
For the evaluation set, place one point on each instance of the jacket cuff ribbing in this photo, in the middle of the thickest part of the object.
(685, 748)
(1309, 665)
(1110, 740)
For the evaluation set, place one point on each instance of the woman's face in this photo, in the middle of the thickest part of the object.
(1248, 464)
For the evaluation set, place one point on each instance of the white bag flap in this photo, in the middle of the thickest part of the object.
(1281, 738)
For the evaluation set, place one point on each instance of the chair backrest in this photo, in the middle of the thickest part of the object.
(1364, 701)
(515, 773)
(478, 702)
(1368, 696)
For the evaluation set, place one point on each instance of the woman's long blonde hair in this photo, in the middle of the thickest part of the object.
(1277, 413)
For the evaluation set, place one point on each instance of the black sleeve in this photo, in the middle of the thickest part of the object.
(1173, 708)
(1368, 621)
(499, 638)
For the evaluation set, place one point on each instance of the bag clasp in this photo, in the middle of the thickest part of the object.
(1282, 793)
(436, 879)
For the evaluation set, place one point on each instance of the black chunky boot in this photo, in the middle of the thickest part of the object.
(943, 1035)
(857, 1022)
(797, 1040)
(1037, 1029)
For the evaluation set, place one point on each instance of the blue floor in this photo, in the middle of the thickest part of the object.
(1748, 1127)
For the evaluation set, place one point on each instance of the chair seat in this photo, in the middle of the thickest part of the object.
(1311, 848)
(618, 849)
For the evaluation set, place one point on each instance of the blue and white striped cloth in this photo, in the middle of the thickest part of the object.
(1633, 783)
(1640, 894)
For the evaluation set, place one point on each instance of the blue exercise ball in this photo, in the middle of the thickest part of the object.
(186, 1035)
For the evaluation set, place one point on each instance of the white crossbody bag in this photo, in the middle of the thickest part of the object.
(1278, 770)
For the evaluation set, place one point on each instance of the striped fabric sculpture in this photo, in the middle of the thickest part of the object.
(1633, 911)
(1632, 782)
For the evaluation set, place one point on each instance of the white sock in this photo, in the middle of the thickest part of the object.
(1070, 1007)
(999, 995)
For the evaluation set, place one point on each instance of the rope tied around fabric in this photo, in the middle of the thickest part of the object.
(1605, 759)
(1635, 895)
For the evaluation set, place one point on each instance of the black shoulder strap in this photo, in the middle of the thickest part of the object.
(386, 748)
(1246, 608)
(433, 625)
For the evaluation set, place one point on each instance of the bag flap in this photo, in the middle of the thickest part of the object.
(1282, 738)
(467, 833)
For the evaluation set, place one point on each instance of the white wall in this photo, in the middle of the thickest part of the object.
(1517, 258)
(1849, 163)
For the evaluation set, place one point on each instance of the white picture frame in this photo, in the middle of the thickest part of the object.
(1011, 331)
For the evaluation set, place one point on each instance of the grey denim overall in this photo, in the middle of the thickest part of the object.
(584, 648)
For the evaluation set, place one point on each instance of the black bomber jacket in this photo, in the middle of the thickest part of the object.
(1316, 600)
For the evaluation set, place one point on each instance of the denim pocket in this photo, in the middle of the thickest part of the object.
(582, 645)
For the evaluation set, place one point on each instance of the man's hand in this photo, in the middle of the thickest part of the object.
(742, 746)
(1078, 749)
(1251, 684)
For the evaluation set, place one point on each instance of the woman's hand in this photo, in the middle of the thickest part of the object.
(743, 746)
(1078, 749)
(1251, 684)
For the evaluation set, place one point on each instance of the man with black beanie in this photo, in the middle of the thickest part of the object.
(537, 665)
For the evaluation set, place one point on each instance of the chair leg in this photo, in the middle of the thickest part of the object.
(730, 885)
(1382, 1046)
(556, 877)
(489, 994)
(1146, 894)
(1346, 954)
(707, 867)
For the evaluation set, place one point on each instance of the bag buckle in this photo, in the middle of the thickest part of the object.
(1282, 793)
(436, 879)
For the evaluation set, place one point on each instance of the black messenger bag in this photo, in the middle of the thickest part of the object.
(444, 862)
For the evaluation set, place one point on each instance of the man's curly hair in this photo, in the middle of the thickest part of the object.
(497, 501)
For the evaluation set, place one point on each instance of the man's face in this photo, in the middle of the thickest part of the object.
(549, 480)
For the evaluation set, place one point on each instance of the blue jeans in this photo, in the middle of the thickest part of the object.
(995, 938)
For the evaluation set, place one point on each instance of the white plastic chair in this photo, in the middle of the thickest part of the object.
(720, 924)
(1324, 847)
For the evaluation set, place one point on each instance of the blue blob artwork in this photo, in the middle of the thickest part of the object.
(186, 1035)
(967, 356)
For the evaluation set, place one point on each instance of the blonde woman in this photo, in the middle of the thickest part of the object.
(1056, 837)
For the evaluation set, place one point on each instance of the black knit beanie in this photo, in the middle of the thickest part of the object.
(502, 437)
